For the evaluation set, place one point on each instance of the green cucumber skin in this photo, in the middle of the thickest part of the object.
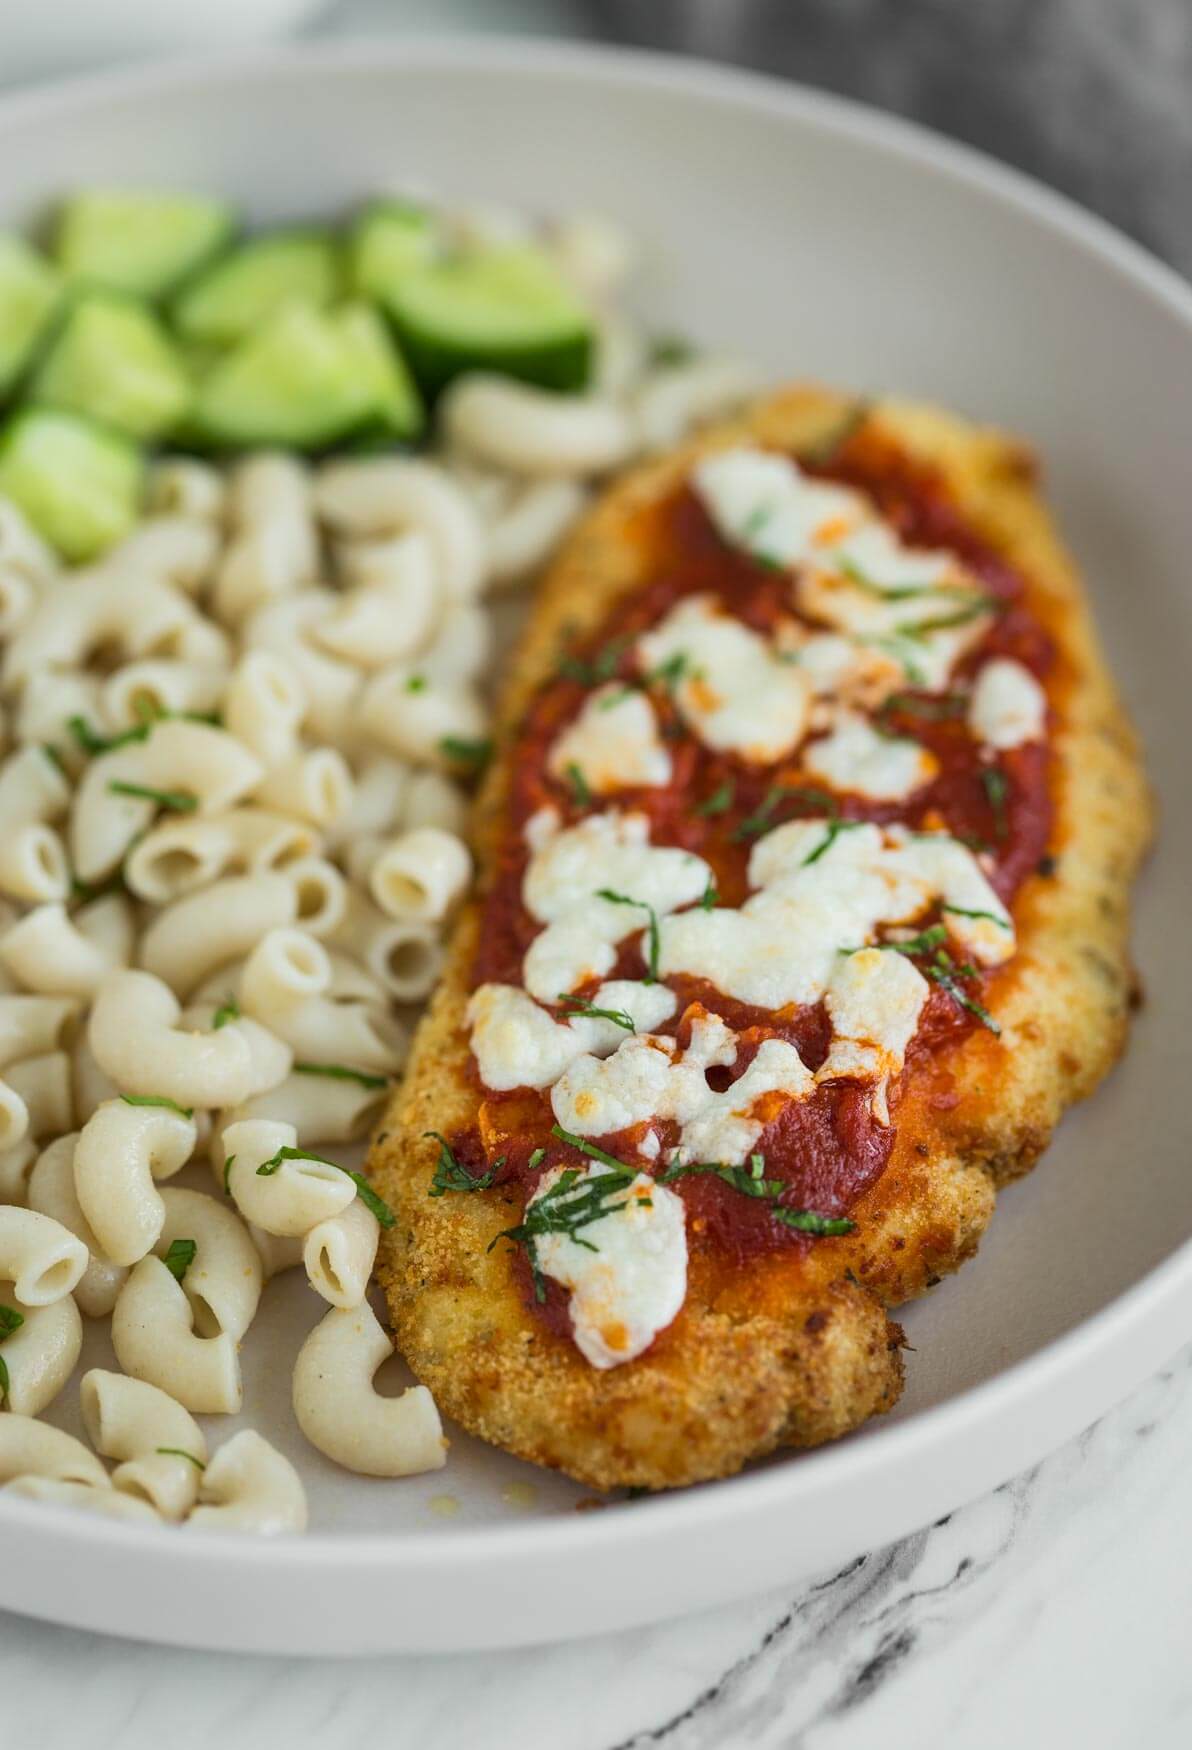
(370, 274)
(50, 383)
(562, 364)
(198, 325)
(34, 285)
(213, 225)
(82, 497)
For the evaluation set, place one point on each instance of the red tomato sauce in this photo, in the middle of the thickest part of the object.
(828, 1149)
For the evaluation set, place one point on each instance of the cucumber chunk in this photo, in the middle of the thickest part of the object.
(386, 242)
(397, 406)
(501, 309)
(113, 360)
(237, 294)
(296, 381)
(139, 241)
(78, 483)
(29, 293)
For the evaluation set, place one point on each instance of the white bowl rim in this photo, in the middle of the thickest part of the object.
(1146, 1306)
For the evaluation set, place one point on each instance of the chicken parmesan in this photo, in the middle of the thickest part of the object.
(803, 916)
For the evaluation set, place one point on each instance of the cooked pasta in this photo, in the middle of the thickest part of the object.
(235, 762)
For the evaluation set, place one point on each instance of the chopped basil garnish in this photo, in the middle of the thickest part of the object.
(4, 1381)
(10, 1320)
(579, 785)
(935, 708)
(92, 742)
(947, 974)
(451, 1176)
(364, 1190)
(926, 942)
(669, 673)
(963, 911)
(466, 752)
(177, 801)
(417, 683)
(835, 828)
(620, 1017)
(829, 447)
(158, 1100)
(341, 1073)
(180, 1452)
(962, 616)
(799, 795)
(567, 1207)
(720, 801)
(601, 667)
(589, 1148)
(653, 939)
(751, 1182)
(228, 1010)
(179, 1257)
(997, 788)
(229, 1163)
(711, 897)
(536, 1159)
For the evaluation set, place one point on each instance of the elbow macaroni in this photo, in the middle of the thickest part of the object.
(249, 1486)
(159, 1446)
(342, 1415)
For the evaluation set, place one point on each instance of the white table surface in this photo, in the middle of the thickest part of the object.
(1054, 1612)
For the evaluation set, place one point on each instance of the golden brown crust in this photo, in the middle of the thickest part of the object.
(799, 1349)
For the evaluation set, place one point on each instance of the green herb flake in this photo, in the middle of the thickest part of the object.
(536, 1159)
(577, 1006)
(10, 1320)
(340, 1072)
(964, 911)
(179, 1257)
(794, 795)
(161, 1100)
(451, 1176)
(653, 937)
(417, 683)
(579, 786)
(364, 1190)
(945, 972)
(719, 802)
(228, 1010)
(997, 789)
(177, 801)
(710, 898)
(5, 1382)
(475, 754)
(835, 828)
(180, 1452)
(668, 350)
(570, 1205)
(229, 1163)
(751, 1182)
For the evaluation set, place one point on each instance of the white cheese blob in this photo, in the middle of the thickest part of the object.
(613, 744)
(516, 1044)
(563, 880)
(854, 757)
(825, 887)
(841, 668)
(874, 1002)
(542, 826)
(854, 574)
(646, 1077)
(629, 1279)
(730, 1122)
(731, 689)
(1008, 706)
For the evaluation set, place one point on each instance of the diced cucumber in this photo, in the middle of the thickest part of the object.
(295, 381)
(79, 484)
(113, 360)
(137, 240)
(397, 405)
(29, 293)
(501, 309)
(386, 242)
(237, 293)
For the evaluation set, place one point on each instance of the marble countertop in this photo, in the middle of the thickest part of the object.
(1054, 1611)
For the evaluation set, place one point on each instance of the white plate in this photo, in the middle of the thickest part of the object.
(826, 241)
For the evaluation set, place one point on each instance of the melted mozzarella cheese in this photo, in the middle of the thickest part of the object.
(516, 1044)
(561, 887)
(874, 1002)
(825, 888)
(854, 757)
(541, 827)
(1008, 706)
(732, 691)
(841, 668)
(853, 571)
(629, 1279)
(730, 1122)
(614, 743)
(646, 1077)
